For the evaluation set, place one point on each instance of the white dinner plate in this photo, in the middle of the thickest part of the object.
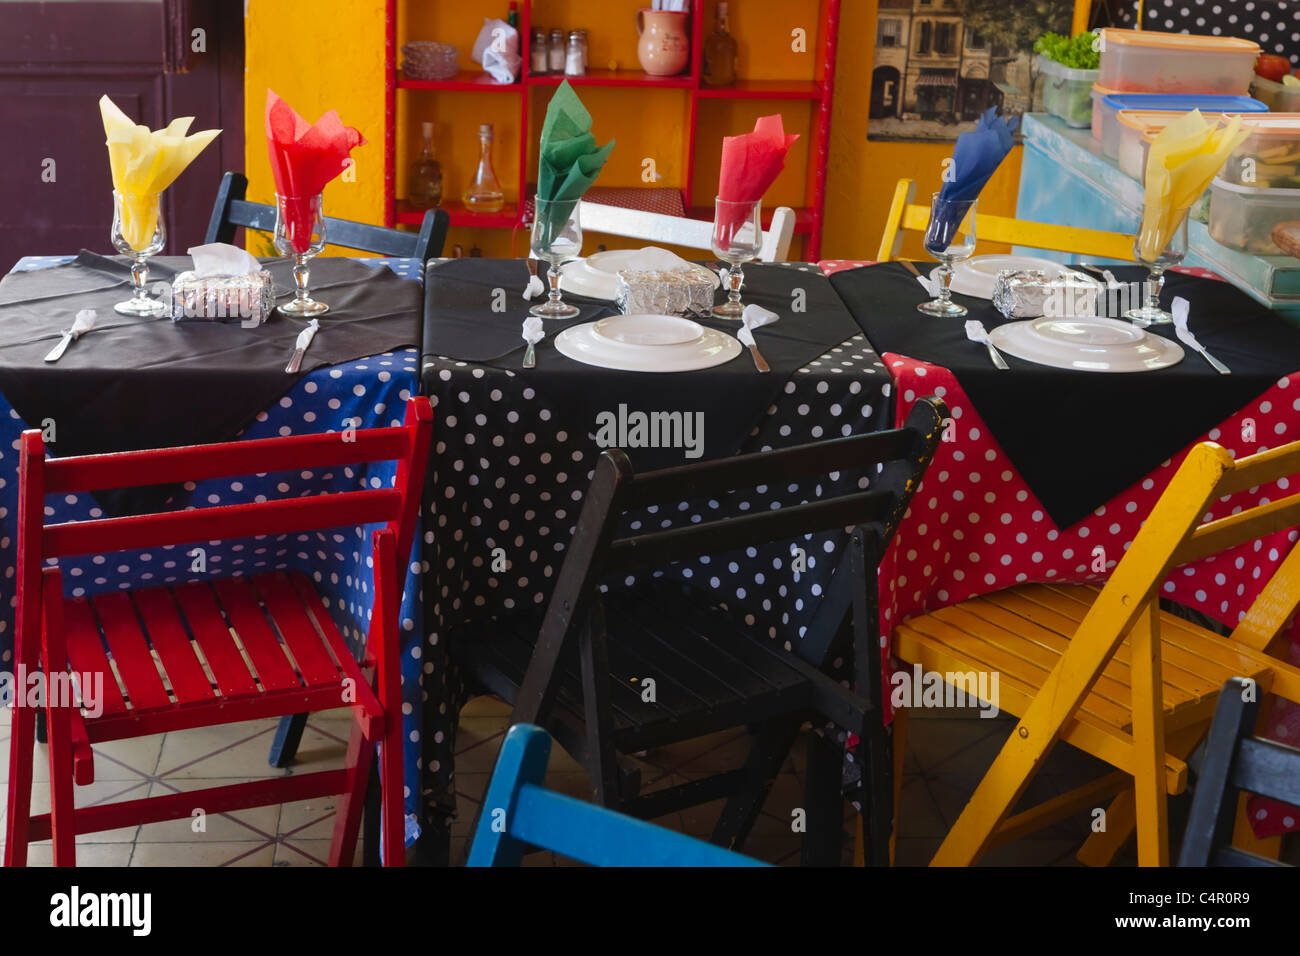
(1088, 344)
(975, 276)
(596, 276)
(647, 331)
(627, 345)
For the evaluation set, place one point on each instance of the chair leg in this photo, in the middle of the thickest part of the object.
(392, 799)
(288, 735)
(898, 743)
(878, 790)
(62, 828)
(22, 743)
(1149, 740)
(823, 802)
(371, 821)
(771, 746)
(347, 820)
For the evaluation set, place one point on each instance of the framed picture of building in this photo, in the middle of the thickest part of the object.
(939, 64)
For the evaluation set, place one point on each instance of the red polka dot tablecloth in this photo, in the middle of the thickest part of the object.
(974, 526)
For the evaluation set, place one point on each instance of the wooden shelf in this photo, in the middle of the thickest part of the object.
(764, 90)
(465, 80)
(460, 216)
(635, 78)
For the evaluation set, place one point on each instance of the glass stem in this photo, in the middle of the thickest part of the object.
(735, 276)
(1154, 285)
(300, 272)
(553, 277)
(139, 275)
(945, 283)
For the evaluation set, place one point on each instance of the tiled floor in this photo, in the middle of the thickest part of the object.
(947, 754)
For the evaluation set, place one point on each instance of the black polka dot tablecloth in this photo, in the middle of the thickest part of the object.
(507, 478)
(1273, 24)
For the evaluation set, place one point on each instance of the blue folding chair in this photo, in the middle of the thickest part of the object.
(518, 812)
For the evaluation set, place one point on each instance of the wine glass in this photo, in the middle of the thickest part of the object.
(737, 238)
(300, 234)
(1144, 245)
(138, 232)
(556, 239)
(950, 237)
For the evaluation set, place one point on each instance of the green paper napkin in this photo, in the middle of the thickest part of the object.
(569, 159)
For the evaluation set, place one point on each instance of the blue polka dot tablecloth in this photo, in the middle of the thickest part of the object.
(506, 482)
(366, 393)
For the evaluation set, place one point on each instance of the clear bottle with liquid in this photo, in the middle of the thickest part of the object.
(484, 194)
(425, 190)
(719, 66)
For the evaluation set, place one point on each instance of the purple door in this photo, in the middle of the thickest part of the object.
(156, 60)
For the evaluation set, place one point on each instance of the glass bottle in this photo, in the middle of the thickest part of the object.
(512, 15)
(538, 52)
(719, 53)
(425, 190)
(573, 60)
(484, 193)
(555, 52)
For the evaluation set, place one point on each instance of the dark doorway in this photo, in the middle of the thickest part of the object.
(57, 59)
(886, 89)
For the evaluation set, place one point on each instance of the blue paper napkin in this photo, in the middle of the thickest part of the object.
(974, 158)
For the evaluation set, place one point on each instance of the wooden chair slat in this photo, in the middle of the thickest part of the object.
(291, 619)
(131, 654)
(86, 652)
(1268, 768)
(248, 620)
(212, 634)
(171, 640)
(682, 231)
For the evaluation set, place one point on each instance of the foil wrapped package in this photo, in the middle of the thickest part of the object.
(664, 292)
(1028, 294)
(247, 299)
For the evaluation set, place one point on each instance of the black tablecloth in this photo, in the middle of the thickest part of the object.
(140, 383)
(1080, 438)
(460, 323)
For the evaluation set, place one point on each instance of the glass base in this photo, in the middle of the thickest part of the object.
(555, 310)
(729, 310)
(942, 307)
(304, 307)
(1146, 316)
(144, 308)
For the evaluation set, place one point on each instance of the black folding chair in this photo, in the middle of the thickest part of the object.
(1235, 762)
(231, 211)
(712, 674)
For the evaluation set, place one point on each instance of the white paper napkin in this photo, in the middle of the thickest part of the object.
(976, 332)
(84, 322)
(535, 287)
(930, 286)
(497, 48)
(754, 317)
(306, 335)
(654, 259)
(1179, 311)
(533, 331)
(222, 259)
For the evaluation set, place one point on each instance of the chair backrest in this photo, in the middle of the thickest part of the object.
(396, 507)
(900, 454)
(679, 231)
(231, 210)
(1235, 762)
(518, 811)
(904, 216)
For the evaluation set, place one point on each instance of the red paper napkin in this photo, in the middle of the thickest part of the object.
(303, 159)
(751, 162)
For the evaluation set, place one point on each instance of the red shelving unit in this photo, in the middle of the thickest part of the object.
(818, 92)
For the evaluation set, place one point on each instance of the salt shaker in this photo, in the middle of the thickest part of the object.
(537, 52)
(573, 58)
(555, 54)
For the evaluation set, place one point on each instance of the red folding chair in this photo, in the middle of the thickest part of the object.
(171, 656)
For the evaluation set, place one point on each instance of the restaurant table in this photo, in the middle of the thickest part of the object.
(510, 467)
(976, 526)
(368, 392)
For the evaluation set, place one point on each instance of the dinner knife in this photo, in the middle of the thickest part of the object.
(746, 336)
(300, 347)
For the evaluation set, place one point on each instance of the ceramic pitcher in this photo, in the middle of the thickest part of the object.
(664, 48)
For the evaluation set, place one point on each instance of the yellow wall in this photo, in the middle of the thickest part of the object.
(318, 61)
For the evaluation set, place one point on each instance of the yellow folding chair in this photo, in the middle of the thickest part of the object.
(1106, 670)
(904, 215)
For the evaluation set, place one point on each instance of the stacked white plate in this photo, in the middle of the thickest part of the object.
(596, 276)
(1086, 343)
(647, 343)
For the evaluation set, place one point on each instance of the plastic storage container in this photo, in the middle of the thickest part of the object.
(1099, 93)
(1268, 158)
(1243, 217)
(1067, 91)
(1144, 61)
(1150, 102)
(1137, 128)
(1278, 97)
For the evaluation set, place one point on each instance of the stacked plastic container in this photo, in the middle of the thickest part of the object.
(1259, 185)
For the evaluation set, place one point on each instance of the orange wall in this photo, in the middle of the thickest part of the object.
(317, 62)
